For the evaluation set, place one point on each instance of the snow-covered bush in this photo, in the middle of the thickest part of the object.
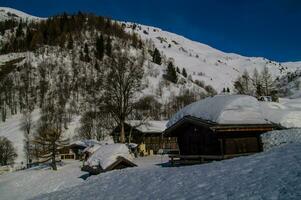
(280, 137)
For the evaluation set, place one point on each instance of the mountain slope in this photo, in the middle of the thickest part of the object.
(10, 13)
(205, 63)
(201, 61)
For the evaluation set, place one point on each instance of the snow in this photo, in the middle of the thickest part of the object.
(205, 63)
(242, 109)
(273, 139)
(106, 155)
(9, 13)
(11, 129)
(224, 109)
(150, 126)
(39, 180)
(286, 113)
(275, 174)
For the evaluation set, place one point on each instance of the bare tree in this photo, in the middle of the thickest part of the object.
(7, 151)
(27, 129)
(267, 81)
(50, 134)
(122, 85)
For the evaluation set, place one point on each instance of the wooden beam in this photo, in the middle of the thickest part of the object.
(243, 129)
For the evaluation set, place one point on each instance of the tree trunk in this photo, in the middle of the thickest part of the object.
(53, 163)
(122, 134)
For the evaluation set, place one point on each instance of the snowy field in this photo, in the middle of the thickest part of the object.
(275, 174)
(29, 183)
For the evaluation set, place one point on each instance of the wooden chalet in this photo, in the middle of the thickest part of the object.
(203, 140)
(149, 136)
(72, 151)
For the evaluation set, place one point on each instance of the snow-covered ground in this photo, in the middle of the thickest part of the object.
(32, 182)
(273, 139)
(12, 130)
(29, 183)
(275, 174)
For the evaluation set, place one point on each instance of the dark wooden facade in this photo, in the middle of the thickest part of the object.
(152, 140)
(199, 137)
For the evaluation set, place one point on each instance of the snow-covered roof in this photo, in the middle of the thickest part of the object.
(86, 143)
(224, 109)
(148, 126)
(106, 155)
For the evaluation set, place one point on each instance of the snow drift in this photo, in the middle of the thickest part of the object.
(273, 139)
(287, 113)
(275, 174)
(224, 109)
(106, 155)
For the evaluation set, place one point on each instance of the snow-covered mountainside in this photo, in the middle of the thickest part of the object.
(201, 61)
(275, 174)
(205, 63)
(10, 13)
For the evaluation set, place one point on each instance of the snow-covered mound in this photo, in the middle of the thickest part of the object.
(224, 109)
(273, 139)
(275, 174)
(10, 13)
(287, 113)
(106, 155)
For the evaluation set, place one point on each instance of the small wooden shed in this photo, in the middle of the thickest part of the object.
(120, 163)
(198, 137)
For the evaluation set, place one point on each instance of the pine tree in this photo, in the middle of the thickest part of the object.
(87, 54)
(100, 48)
(109, 47)
(157, 57)
(184, 73)
(171, 73)
(70, 42)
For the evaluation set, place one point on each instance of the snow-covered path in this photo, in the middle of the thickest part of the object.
(275, 174)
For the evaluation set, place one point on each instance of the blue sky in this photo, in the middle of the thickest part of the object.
(267, 28)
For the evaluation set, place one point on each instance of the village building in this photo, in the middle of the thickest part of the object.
(219, 127)
(109, 157)
(148, 135)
